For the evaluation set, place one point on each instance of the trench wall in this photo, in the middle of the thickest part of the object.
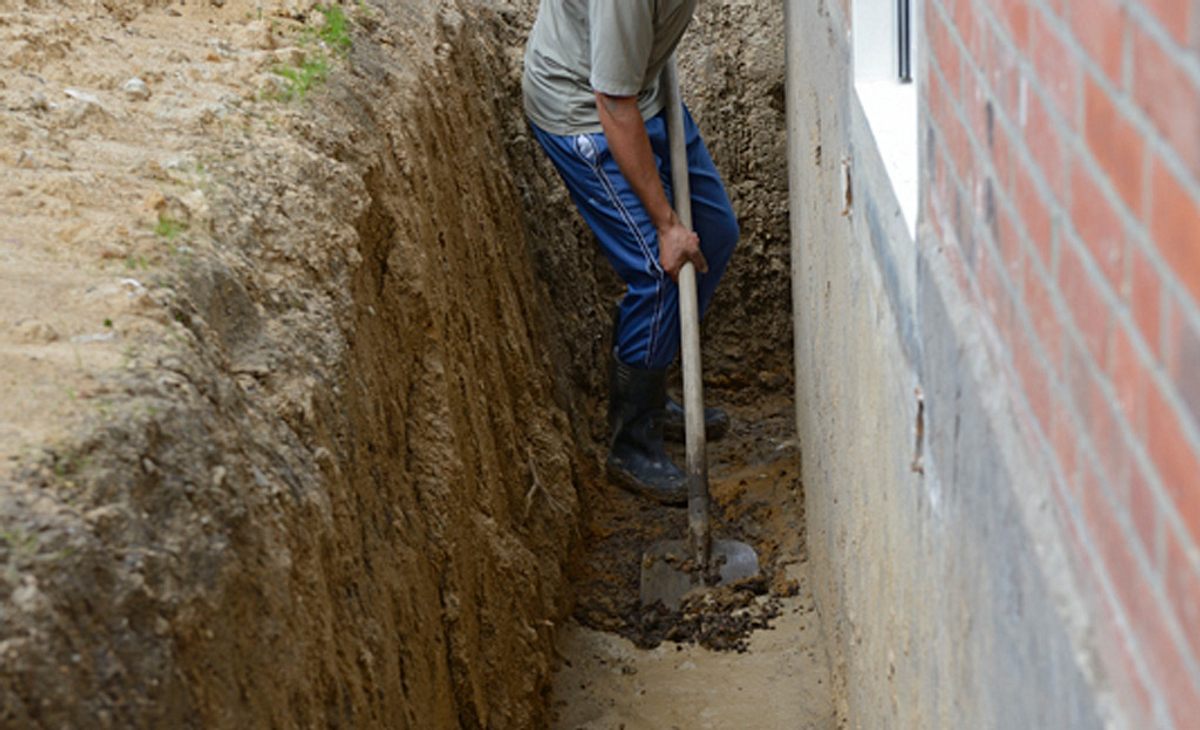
(942, 573)
(341, 490)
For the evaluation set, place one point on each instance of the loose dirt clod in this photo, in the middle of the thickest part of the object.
(754, 487)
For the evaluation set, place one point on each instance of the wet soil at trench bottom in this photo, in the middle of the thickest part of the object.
(757, 497)
(746, 656)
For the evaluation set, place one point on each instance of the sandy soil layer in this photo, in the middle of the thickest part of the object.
(780, 683)
(772, 677)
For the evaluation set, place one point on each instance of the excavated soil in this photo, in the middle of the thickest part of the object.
(745, 656)
(756, 497)
(299, 416)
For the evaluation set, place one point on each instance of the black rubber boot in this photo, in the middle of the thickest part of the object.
(637, 460)
(716, 422)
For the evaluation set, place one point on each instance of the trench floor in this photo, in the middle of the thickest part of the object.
(754, 660)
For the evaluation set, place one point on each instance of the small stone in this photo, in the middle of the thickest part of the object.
(290, 56)
(155, 201)
(38, 102)
(33, 331)
(82, 96)
(136, 89)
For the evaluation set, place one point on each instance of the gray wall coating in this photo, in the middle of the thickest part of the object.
(945, 594)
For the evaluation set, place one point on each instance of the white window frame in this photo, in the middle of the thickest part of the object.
(889, 100)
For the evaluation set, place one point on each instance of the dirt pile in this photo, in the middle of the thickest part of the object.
(757, 497)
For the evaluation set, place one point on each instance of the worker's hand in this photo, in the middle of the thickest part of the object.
(676, 246)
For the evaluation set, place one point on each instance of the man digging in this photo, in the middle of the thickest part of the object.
(593, 98)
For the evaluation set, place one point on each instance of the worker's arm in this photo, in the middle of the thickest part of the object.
(626, 134)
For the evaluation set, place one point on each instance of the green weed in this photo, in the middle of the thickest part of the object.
(331, 40)
(138, 262)
(335, 32)
(301, 80)
(169, 228)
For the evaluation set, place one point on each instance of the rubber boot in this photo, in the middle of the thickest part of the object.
(637, 460)
(716, 422)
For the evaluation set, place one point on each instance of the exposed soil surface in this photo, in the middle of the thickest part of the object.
(745, 656)
(288, 447)
(301, 383)
(756, 497)
(781, 681)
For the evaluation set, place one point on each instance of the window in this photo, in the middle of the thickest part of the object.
(904, 40)
(885, 51)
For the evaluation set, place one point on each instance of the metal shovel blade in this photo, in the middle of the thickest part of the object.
(666, 575)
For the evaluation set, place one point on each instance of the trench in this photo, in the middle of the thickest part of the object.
(363, 485)
(746, 657)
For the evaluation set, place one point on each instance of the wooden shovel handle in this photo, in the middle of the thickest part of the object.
(699, 536)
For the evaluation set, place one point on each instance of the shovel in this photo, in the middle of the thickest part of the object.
(672, 568)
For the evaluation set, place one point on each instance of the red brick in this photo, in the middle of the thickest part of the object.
(1063, 435)
(1100, 27)
(1128, 374)
(1113, 641)
(1115, 144)
(1098, 225)
(1033, 378)
(1179, 688)
(1144, 512)
(1088, 307)
(1176, 462)
(1009, 243)
(1015, 14)
(1057, 67)
(1146, 615)
(954, 140)
(1002, 156)
(1003, 73)
(974, 103)
(1032, 212)
(1145, 299)
(1175, 225)
(1175, 15)
(945, 52)
(959, 145)
(1105, 434)
(1165, 663)
(1045, 145)
(967, 23)
(1183, 587)
(1112, 542)
(1038, 302)
(1170, 98)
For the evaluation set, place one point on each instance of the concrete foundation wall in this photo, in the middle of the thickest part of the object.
(946, 595)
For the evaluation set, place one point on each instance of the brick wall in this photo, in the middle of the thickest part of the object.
(1061, 165)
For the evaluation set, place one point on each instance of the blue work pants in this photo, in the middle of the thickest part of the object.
(647, 331)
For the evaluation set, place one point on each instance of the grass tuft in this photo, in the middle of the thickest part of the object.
(302, 79)
(329, 41)
(169, 228)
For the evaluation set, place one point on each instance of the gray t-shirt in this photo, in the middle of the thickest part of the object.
(616, 47)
